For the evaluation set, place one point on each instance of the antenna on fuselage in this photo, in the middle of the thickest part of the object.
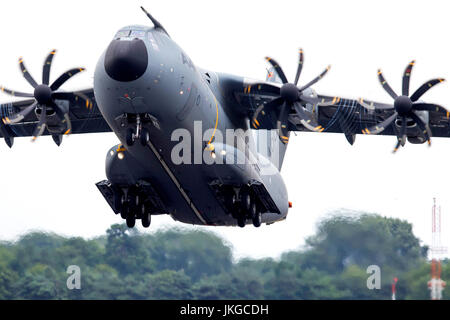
(155, 22)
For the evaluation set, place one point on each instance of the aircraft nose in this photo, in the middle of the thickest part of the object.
(126, 60)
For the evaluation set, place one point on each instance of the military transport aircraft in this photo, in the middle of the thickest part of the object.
(151, 95)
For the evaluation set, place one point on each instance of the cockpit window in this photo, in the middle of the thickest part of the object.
(123, 34)
(137, 34)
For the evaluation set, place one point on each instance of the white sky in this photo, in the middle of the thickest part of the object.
(48, 188)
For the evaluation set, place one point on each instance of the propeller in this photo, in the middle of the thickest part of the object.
(290, 97)
(404, 107)
(44, 98)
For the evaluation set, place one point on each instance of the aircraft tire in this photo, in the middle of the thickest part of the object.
(257, 219)
(241, 222)
(136, 200)
(144, 137)
(124, 212)
(129, 137)
(146, 220)
(125, 207)
(118, 204)
(146, 217)
(131, 221)
(253, 210)
(246, 200)
(230, 200)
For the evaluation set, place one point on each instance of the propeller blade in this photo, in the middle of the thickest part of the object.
(64, 77)
(282, 124)
(64, 117)
(306, 119)
(300, 66)
(88, 103)
(63, 95)
(26, 74)
(19, 116)
(350, 138)
(320, 100)
(423, 126)
(39, 130)
(382, 126)
(57, 138)
(328, 101)
(386, 85)
(278, 69)
(274, 104)
(261, 116)
(9, 140)
(47, 67)
(402, 137)
(313, 81)
(262, 87)
(424, 88)
(430, 107)
(407, 77)
(68, 124)
(370, 105)
(397, 134)
(16, 93)
(310, 100)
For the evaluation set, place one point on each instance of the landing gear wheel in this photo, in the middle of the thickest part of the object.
(125, 208)
(146, 217)
(246, 200)
(257, 219)
(124, 212)
(130, 137)
(135, 200)
(241, 222)
(131, 221)
(118, 204)
(230, 200)
(144, 137)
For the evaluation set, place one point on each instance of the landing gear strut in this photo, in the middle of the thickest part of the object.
(139, 133)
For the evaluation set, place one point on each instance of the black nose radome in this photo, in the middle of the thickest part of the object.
(126, 60)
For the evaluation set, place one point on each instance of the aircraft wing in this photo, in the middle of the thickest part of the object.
(320, 113)
(83, 113)
(351, 117)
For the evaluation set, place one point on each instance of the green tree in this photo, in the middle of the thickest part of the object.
(169, 284)
(196, 253)
(126, 252)
(39, 282)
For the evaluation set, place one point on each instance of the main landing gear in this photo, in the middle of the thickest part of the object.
(244, 206)
(140, 133)
(132, 207)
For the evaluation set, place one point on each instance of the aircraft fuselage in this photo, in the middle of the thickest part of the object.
(145, 83)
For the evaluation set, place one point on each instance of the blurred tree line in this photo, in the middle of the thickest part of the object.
(177, 264)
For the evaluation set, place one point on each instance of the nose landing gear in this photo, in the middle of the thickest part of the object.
(139, 133)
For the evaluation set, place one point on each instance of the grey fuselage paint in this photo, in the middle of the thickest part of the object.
(176, 93)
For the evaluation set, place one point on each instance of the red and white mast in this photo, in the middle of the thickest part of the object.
(436, 284)
(394, 284)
